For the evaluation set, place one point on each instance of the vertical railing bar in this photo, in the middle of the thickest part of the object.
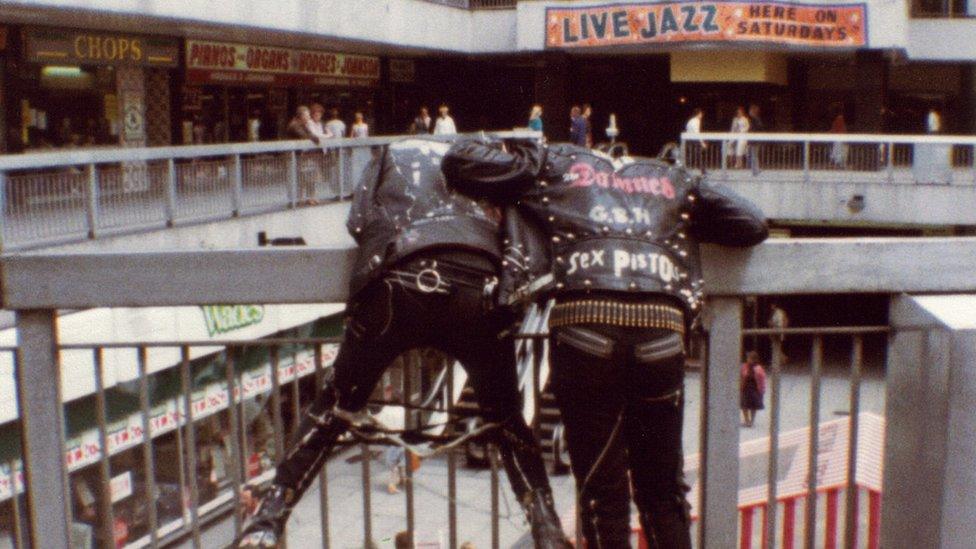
(296, 405)
(3, 209)
(773, 471)
(170, 192)
(186, 385)
(367, 499)
(451, 467)
(106, 520)
(237, 185)
(850, 522)
(292, 179)
(810, 526)
(91, 210)
(342, 172)
(15, 507)
(42, 428)
(324, 474)
(891, 162)
(409, 423)
(276, 419)
(724, 161)
(182, 465)
(149, 466)
(806, 161)
(495, 534)
(236, 448)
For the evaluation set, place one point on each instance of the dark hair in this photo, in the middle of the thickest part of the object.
(697, 111)
(752, 357)
(402, 540)
(575, 111)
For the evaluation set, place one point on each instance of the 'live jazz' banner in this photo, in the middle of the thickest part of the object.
(784, 23)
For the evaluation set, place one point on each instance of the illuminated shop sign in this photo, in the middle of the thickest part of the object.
(774, 23)
(59, 47)
(220, 62)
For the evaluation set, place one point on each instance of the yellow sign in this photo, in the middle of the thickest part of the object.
(45, 45)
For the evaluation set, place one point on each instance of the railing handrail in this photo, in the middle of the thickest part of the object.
(881, 139)
(198, 277)
(75, 157)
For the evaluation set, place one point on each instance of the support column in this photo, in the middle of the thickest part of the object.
(719, 478)
(39, 401)
(930, 440)
(552, 92)
(872, 90)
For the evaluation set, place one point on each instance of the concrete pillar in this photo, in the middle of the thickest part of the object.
(872, 90)
(930, 440)
(552, 81)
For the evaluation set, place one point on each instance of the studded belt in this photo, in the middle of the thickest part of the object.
(617, 313)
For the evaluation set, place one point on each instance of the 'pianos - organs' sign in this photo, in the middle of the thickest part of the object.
(774, 23)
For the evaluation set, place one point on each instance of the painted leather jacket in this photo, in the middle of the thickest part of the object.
(402, 206)
(594, 224)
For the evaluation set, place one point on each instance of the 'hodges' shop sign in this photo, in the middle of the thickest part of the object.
(791, 24)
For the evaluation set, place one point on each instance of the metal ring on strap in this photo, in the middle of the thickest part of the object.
(425, 287)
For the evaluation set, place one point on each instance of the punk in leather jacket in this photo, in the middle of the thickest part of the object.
(402, 206)
(596, 224)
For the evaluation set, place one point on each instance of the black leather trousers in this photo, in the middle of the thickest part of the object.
(419, 304)
(620, 392)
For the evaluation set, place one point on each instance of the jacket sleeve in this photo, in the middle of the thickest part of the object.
(486, 171)
(723, 217)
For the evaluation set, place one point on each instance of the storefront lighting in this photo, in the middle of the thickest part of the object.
(61, 72)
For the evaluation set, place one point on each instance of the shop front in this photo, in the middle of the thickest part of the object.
(240, 92)
(90, 88)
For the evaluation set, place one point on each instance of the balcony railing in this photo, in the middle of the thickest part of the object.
(831, 158)
(65, 196)
(37, 285)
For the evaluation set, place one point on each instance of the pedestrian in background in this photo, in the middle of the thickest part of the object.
(535, 118)
(335, 125)
(933, 121)
(752, 387)
(444, 124)
(317, 125)
(696, 149)
(588, 122)
(778, 320)
(756, 125)
(360, 128)
(740, 125)
(577, 127)
(423, 123)
(838, 152)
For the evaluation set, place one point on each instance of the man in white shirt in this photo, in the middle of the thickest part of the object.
(335, 125)
(445, 124)
(696, 151)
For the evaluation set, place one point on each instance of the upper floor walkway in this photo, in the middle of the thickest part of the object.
(225, 195)
(409, 27)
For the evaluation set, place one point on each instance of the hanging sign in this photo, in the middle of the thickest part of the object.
(774, 23)
(225, 63)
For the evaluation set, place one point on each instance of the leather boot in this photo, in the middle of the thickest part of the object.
(547, 530)
(317, 434)
(666, 528)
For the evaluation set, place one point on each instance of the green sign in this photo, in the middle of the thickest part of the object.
(222, 319)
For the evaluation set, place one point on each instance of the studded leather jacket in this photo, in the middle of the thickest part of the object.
(597, 225)
(402, 206)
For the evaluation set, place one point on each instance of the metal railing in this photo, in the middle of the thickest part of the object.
(36, 285)
(831, 158)
(65, 196)
(478, 4)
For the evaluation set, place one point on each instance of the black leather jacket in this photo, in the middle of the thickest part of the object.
(632, 228)
(402, 206)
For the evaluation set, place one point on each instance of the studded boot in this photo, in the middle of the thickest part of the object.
(547, 530)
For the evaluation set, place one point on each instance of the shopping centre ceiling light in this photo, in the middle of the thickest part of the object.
(61, 72)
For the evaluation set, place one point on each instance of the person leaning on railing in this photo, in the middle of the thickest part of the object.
(425, 276)
(618, 243)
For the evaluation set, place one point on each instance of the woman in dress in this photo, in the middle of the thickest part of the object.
(740, 125)
(359, 127)
(752, 387)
